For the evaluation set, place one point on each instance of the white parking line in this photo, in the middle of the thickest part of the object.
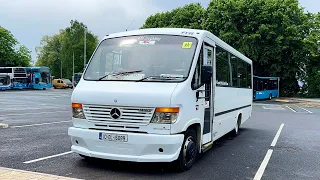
(273, 107)
(31, 113)
(48, 157)
(41, 124)
(263, 165)
(306, 110)
(291, 109)
(268, 156)
(274, 142)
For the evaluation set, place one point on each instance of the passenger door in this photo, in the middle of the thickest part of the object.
(208, 59)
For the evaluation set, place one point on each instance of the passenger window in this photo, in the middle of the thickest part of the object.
(249, 80)
(222, 67)
(242, 73)
(234, 65)
(196, 80)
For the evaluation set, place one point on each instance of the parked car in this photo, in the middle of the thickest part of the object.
(62, 83)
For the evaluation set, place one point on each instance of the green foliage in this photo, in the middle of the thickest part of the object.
(188, 16)
(270, 32)
(312, 65)
(57, 51)
(9, 55)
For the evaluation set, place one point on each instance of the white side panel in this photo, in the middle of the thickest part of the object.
(228, 105)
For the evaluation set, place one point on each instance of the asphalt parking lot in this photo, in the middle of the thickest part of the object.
(278, 142)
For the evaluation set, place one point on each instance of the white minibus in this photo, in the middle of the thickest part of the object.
(159, 95)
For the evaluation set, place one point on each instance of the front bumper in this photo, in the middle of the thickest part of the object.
(139, 148)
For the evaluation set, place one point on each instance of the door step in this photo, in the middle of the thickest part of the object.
(206, 147)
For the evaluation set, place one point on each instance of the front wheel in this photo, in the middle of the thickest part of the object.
(189, 151)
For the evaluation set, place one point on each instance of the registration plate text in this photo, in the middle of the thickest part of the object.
(113, 137)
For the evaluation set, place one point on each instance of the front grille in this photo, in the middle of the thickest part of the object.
(100, 114)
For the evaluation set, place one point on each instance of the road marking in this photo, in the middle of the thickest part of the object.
(268, 156)
(274, 142)
(2, 125)
(48, 157)
(291, 109)
(306, 110)
(273, 107)
(31, 113)
(29, 125)
(263, 165)
(28, 108)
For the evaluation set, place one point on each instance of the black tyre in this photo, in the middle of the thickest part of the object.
(189, 151)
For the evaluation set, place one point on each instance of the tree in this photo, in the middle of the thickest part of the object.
(312, 65)
(270, 32)
(188, 16)
(57, 51)
(9, 55)
(23, 56)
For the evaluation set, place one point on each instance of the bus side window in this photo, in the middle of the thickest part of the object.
(222, 67)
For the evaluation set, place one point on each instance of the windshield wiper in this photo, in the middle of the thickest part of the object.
(159, 78)
(120, 73)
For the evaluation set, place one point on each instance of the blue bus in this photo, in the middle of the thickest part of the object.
(39, 77)
(13, 78)
(5, 82)
(265, 87)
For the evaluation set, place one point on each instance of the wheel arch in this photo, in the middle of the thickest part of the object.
(196, 126)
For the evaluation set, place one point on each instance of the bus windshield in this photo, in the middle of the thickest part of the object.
(132, 58)
(4, 80)
(45, 77)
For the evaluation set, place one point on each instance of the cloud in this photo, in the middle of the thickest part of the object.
(103, 11)
(29, 20)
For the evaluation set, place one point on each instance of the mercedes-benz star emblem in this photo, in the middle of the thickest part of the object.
(115, 113)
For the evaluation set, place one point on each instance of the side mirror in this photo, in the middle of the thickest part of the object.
(206, 74)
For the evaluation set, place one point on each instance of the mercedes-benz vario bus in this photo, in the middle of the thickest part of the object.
(159, 95)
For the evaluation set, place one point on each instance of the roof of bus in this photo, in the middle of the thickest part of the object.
(37, 67)
(12, 67)
(173, 31)
(197, 33)
(267, 77)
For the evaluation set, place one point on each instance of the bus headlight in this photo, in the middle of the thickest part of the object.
(165, 115)
(77, 111)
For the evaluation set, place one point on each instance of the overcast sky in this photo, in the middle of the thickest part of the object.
(30, 20)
